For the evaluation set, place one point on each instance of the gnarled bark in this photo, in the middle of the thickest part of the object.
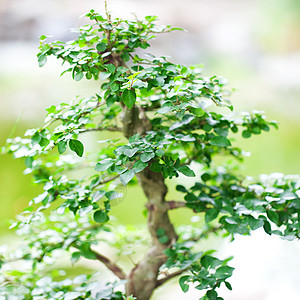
(142, 279)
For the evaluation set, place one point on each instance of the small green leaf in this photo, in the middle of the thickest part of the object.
(78, 76)
(75, 257)
(87, 252)
(110, 68)
(273, 216)
(88, 75)
(208, 261)
(42, 60)
(76, 146)
(220, 141)
(160, 232)
(130, 152)
(104, 75)
(36, 138)
(28, 161)
(199, 112)
(267, 227)
(185, 170)
(61, 147)
(104, 164)
(100, 216)
(129, 98)
(254, 223)
(246, 134)
(127, 176)
(228, 285)
(139, 166)
(111, 100)
(264, 127)
(114, 87)
(182, 282)
(224, 272)
(147, 156)
(101, 47)
(134, 138)
(160, 152)
(212, 295)
(211, 214)
(181, 188)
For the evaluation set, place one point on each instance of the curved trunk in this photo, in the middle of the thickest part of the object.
(142, 279)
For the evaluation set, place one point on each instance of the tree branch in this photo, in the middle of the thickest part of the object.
(175, 204)
(168, 277)
(102, 129)
(110, 265)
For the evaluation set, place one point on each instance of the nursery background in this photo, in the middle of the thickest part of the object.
(254, 44)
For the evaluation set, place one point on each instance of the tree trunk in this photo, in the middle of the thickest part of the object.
(142, 279)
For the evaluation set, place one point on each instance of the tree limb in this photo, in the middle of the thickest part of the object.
(110, 265)
(102, 129)
(175, 204)
(168, 277)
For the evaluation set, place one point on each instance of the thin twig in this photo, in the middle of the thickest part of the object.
(118, 129)
(161, 281)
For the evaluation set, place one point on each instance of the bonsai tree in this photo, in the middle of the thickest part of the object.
(164, 120)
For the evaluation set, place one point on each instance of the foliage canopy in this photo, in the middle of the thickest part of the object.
(172, 121)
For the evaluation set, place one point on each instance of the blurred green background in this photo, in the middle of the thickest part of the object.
(254, 44)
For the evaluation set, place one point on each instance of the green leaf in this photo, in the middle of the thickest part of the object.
(255, 223)
(199, 112)
(264, 127)
(61, 147)
(101, 47)
(228, 285)
(208, 261)
(134, 138)
(104, 75)
(246, 134)
(182, 282)
(224, 272)
(100, 216)
(88, 75)
(36, 138)
(181, 188)
(273, 216)
(129, 98)
(166, 107)
(127, 176)
(104, 164)
(220, 141)
(28, 161)
(211, 214)
(147, 156)
(110, 68)
(139, 166)
(111, 100)
(212, 295)
(159, 152)
(77, 147)
(267, 227)
(185, 170)
(78, 76)
(75, 257)
(114, 87)
(42, 59)
(87, 252)
(130, 152)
